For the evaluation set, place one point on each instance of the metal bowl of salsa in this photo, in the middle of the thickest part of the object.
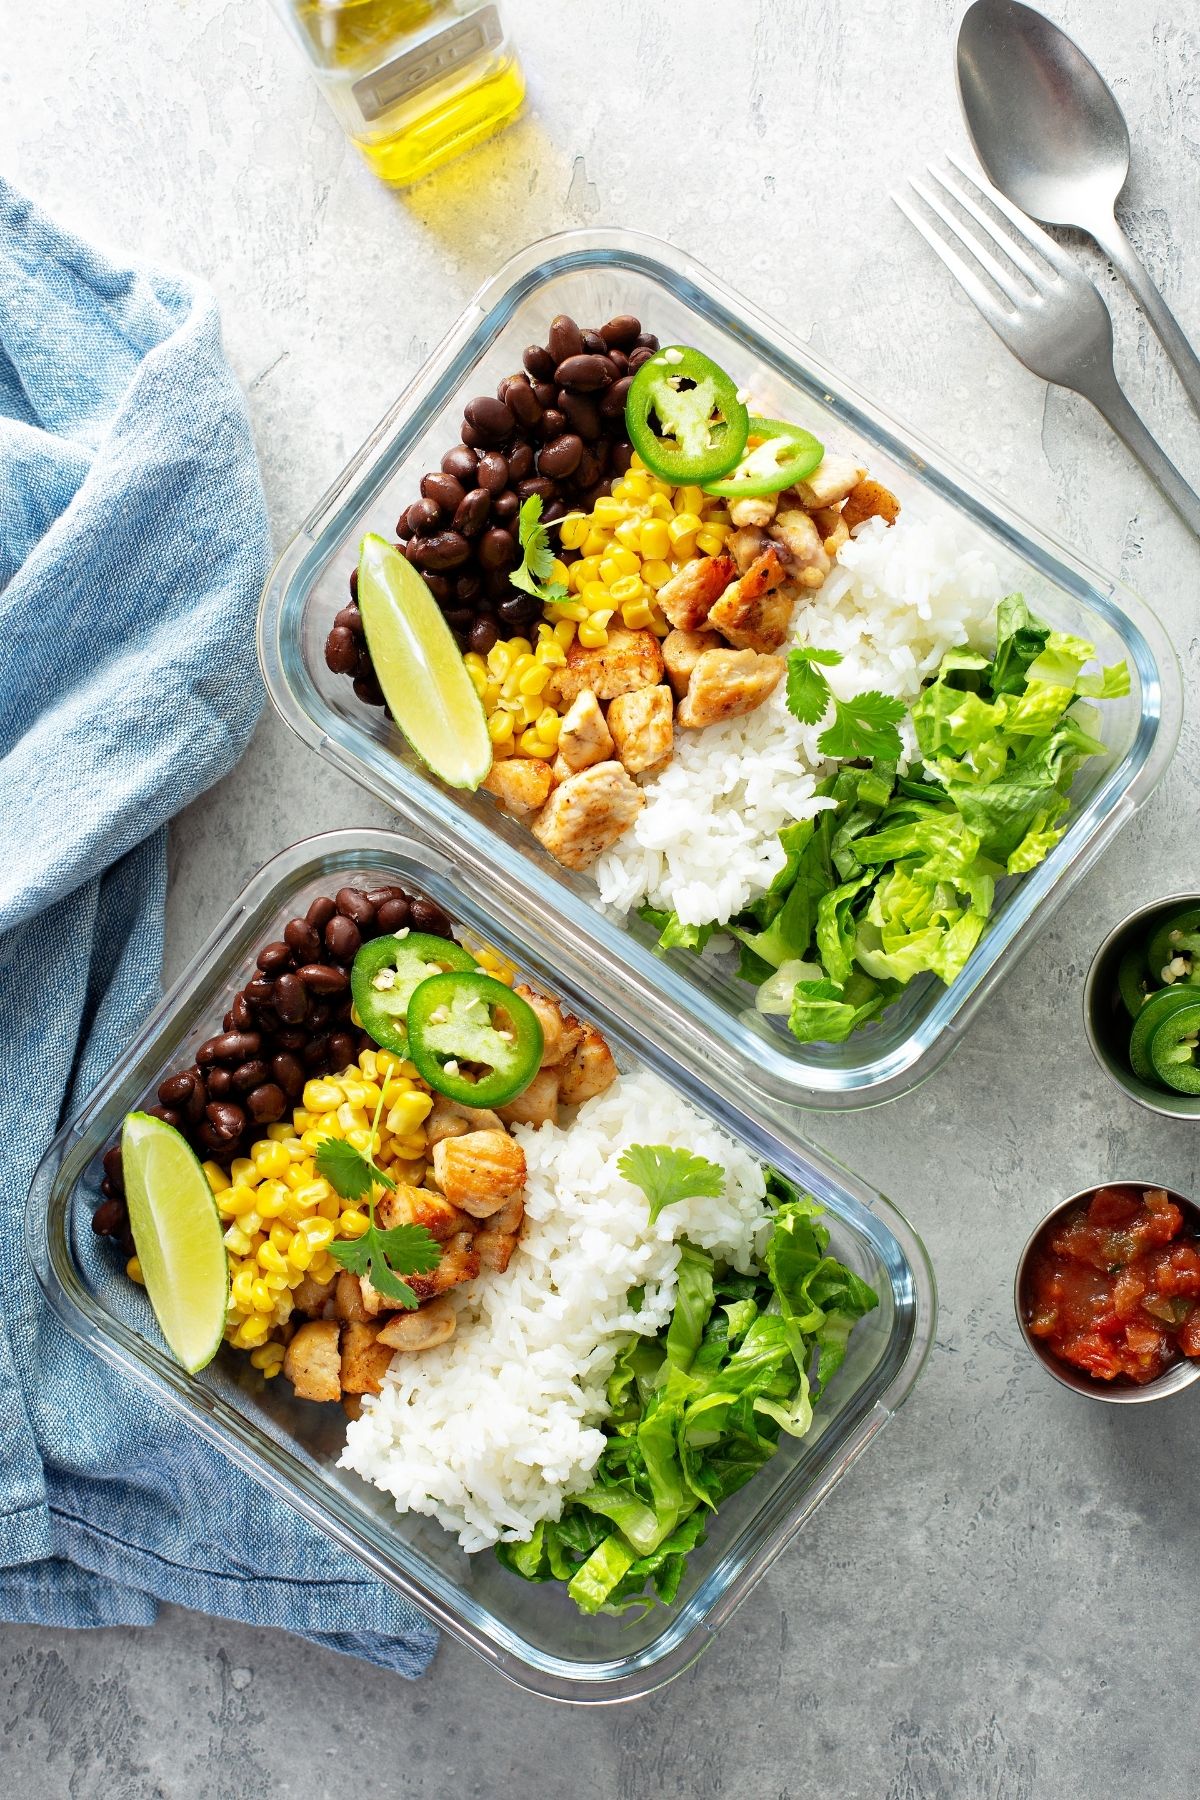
(1108, 1292)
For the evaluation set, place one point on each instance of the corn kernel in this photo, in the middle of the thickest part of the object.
(133, 1269)
(710, 543)
(320, 1233)
(653, 541)
(500, 727)
(237, 1240)
(558, 570)
(637, 614)
(530, 744)
(660, 507)
(656, 573)
(271, 1159)
(628, 534)
(608, 511)
(534, 680)
(216, 1176)
(300, 1252)
(593, 633)
(548, 725)
(252, 1332)
(691, 500)
(268, 1357)
(409, 1111)
(595, 543)
(328, 1208)
(280, 1236)
(572, 529)
(321, 1097)
(628, 588)
(683, 525)
(262, 1298)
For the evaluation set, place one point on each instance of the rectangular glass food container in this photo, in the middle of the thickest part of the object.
(592, 275)
(530, 1633)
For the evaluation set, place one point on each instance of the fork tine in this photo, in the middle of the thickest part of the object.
(979, 251)
(1025, 227)
(962, 271)
(1015, 254)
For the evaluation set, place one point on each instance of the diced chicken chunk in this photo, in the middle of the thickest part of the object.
(417, 1206)
(312, 1361)
(312, 1297)
(803, 543)
(755, 613)
(726, 683)
(451, 1119)
(831, 480)
(747, 545)
(682, 650)
(688, 598)
(630, 659)
(460, 1262)
(495, 1250)
(588, 812)
(560, 1031)
(510, 1217)
(364, 1359)
(758, 509)
(520, 783)
(479, 1172)
(424, 1329)
(583, 737)
(348, 1299)
(538, 1104)
(870, 500)
(590, 1071)
(642, 728)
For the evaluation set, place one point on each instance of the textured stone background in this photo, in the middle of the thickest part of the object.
(999, 1602)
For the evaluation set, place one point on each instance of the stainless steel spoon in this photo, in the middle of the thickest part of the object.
(1048, 130)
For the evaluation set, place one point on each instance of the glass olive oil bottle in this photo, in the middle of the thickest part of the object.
(413, 82)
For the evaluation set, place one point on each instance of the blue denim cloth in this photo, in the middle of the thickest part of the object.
(133, 544)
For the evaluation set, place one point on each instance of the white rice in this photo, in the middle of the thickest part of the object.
(706, 841)
(493, 1430)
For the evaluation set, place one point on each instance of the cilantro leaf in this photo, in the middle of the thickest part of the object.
(666, 1175)
(384, 1256)
(347, 1170)
(865, 726)
(807, 688)
(533, 576)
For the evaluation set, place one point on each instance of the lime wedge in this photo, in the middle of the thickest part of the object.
(177, 1230)
(420, 667)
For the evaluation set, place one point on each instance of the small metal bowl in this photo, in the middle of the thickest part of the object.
(1179, 1376)
(1108, 1024)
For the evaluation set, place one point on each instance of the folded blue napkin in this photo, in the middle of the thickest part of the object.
(133, 544)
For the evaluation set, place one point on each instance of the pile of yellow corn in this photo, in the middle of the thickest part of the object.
(510, 681)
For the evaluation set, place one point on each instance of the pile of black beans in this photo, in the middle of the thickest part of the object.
(290, 1022)
(556, 428)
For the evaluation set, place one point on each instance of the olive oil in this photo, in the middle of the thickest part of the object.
(413, 82)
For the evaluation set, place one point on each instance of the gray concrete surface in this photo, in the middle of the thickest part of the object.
(999, 1602)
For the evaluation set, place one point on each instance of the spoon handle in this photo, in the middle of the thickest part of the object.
(1110, 235)
(1107, 396)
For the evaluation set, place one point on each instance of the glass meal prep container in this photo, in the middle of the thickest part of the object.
(592, 275)
(530, 1633)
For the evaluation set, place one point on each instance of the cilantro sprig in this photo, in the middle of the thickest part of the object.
(866, 726)
(383, 1256)
(666, 1175)
(537, 555)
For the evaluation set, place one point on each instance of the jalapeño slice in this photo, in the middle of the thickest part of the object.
(473, 1039)
(1173, 1049)
(387, 971)
(1177, 936)
(1133, 979)
(782, 455)
(1158, 1007)
(684, 417)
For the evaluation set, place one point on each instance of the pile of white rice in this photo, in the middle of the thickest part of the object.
(493, 1430)
(707, 840)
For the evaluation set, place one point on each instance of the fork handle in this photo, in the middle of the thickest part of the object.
(1111, 237)
(1106, 395)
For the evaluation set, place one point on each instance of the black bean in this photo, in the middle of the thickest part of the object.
(520, 463)
(291, 1037)
(638, 357)
(368, 690)
(273, 957)
(341, 651)
(229, 1046)
(539, 362)
(646, 340)
(621, 332)
(506, 506)
(288, 1071)
(167, 1114)
(460, 462)
(424, 517)
(498, 549)
(539, 484)
(112, 1167)
(343, 939)
(545, 392)
(320, 912)
(175, 1089)
(248, 1075)
(444, 490)
(445, 551)
(489, 418)
(316, 1054)
(364, 666)
(593, 343)
(613, 403)
(471, 437)
(581, 413)
(471, 516)
(514, 611)
(267, 1103)
(393, 915)
(258, 992)
(459, 618)
(622, 458)
(291, 998)
(109, 1218)
(438, 586)
(403, 528)
(557, 509)
(586, 372)
(300, 937)
(619, 361)
(556, 461)
(351, 618)
(354, 584)
(522, 402)
(482, 635)
(354, 903)
(343, 1047)
(493, 471)
(427, 915)
(320, 978)
(226, 1119)
(197, 1099)
(468, 588)
(565, 338)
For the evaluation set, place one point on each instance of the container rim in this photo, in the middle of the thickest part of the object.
(665, 1000)
(293, 1479)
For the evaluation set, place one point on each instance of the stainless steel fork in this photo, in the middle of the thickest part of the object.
(1057, 325)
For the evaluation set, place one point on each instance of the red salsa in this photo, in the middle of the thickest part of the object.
(1114, 1289)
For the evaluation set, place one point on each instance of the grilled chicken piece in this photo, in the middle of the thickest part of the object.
(747, 545)
(688, 598)
(495, 1249)
(460, 1262)
(726, 683)
(480, 1171)
(870, 500)
(755, 613)
(520, 783)
(364, 1359)
(449, 1118)
(589, 811)
(312, 1297)
(417, 1206)
(630, 659)
(756, 510)
(802, 540)
(424, 1329)
(590, 1071)
(538, 1104)
(560, 1031)
(681, 652)
(642, 728)
(510, 1218)
(583, 737)
(312, 1361)
(830, 481)
(348, 1300)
